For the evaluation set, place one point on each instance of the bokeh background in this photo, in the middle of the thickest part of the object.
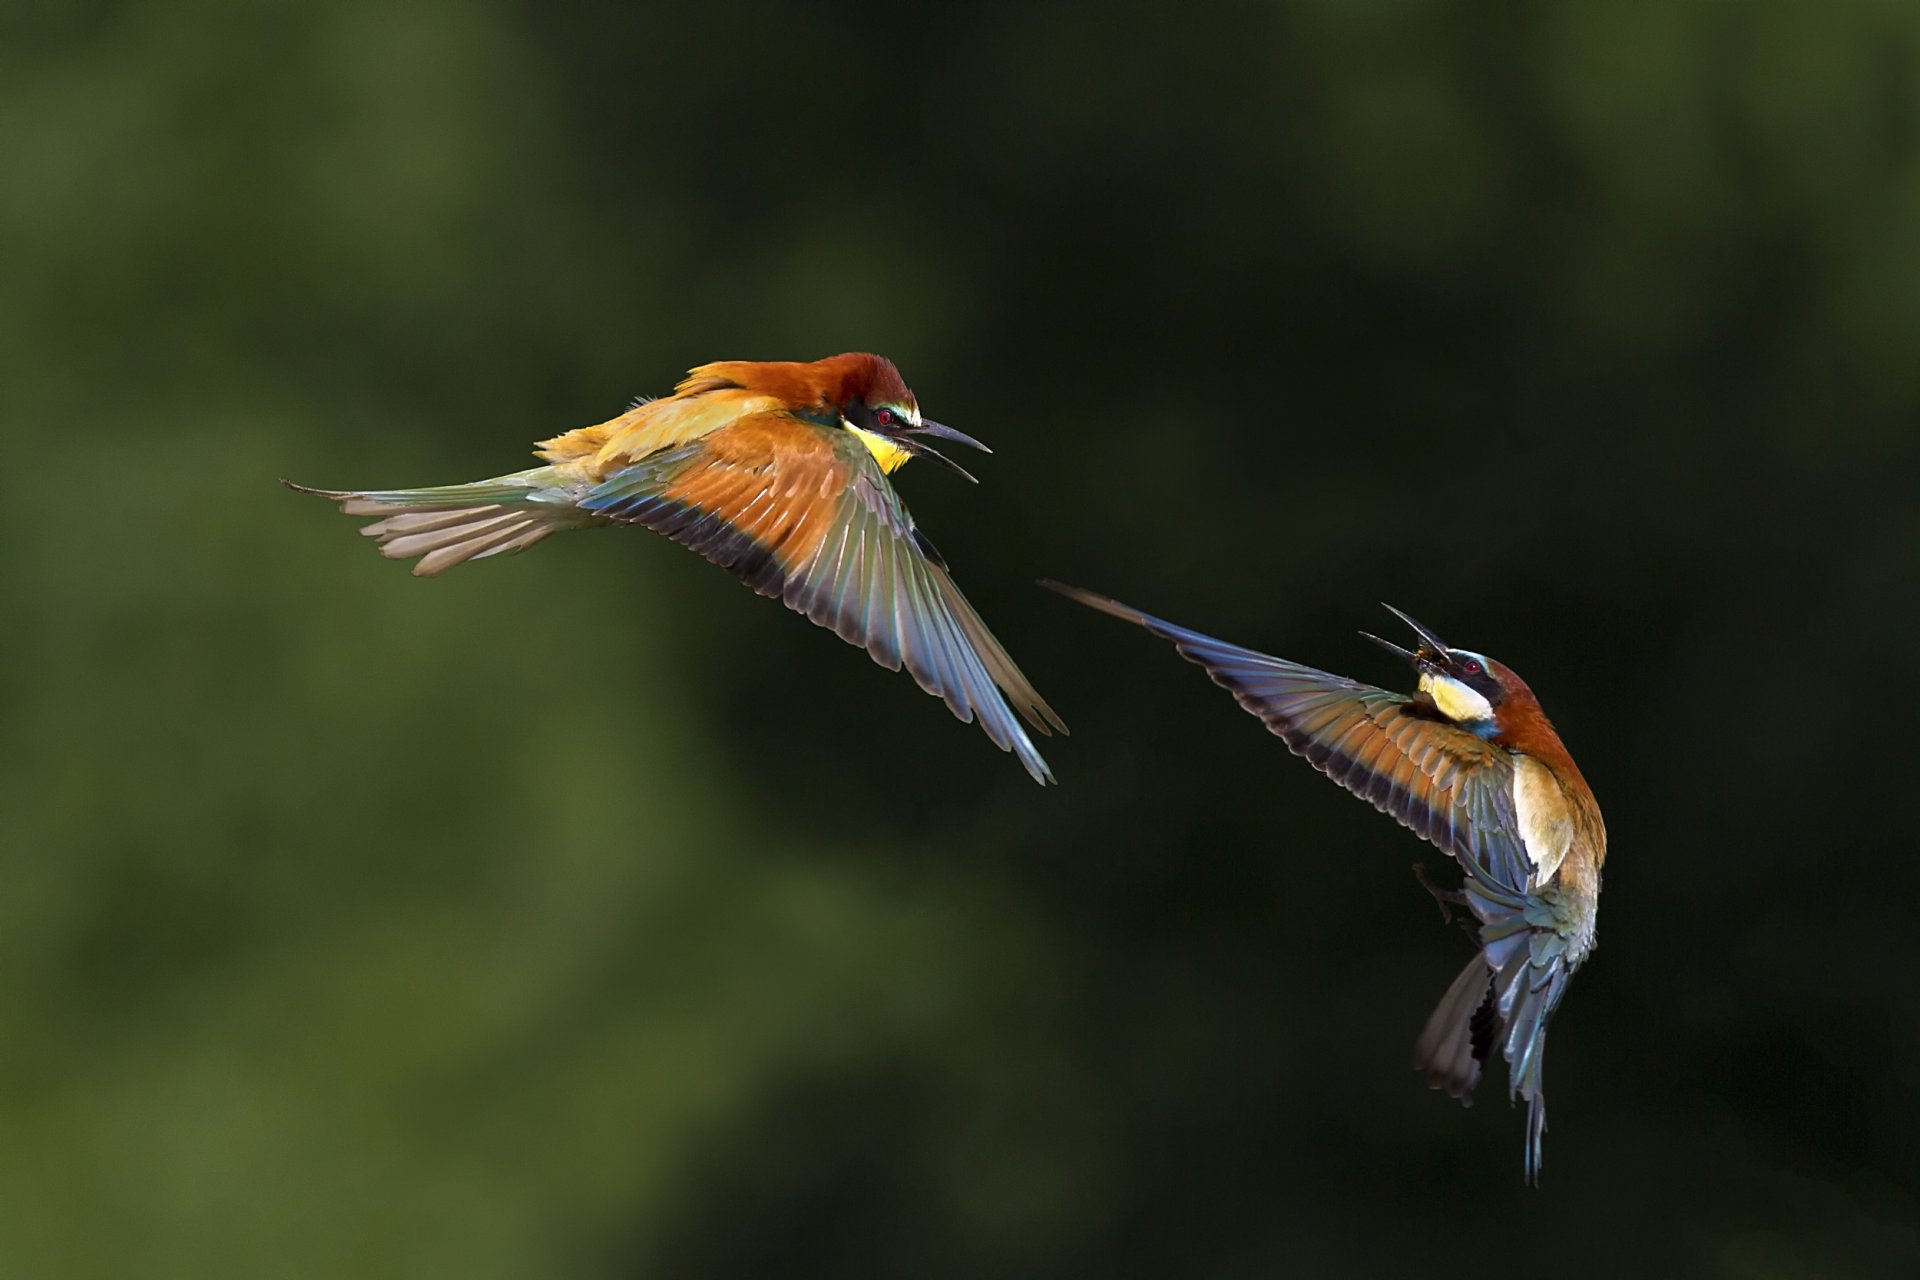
(583, 914)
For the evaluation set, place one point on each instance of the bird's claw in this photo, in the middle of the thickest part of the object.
(1445, 899)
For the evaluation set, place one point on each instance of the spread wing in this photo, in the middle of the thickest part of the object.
(1453, 789)
(1450, 787)
(803, 512)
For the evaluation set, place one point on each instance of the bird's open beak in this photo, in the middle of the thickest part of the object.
(940, 430)
(1430, 656)
(910, 439)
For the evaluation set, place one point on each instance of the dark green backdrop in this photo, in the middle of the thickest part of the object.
(583, 914)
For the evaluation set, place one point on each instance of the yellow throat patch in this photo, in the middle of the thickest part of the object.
(886, 452)
(1456, 701)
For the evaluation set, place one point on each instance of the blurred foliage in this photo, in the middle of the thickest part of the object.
(584, 914)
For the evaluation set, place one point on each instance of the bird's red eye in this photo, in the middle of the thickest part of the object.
(883, 418)
(1472, 668)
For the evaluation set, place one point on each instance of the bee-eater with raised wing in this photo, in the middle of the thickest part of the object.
(1470, 763)
(776, 470)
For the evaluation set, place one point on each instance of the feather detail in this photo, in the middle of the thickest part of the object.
(803, 512)
(449, 525)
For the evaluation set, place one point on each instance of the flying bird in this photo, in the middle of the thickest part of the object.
(776, 470)
(1470, 763)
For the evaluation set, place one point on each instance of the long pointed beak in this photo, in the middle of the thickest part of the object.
(913, 440)
(1428, 640)
(920, 449)
(942, 431)
(1413, 660)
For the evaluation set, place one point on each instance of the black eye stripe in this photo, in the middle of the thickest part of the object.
(1473, 672)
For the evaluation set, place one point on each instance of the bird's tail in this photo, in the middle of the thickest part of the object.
(452, 524)
(1501, 1001)
(1453, 1047)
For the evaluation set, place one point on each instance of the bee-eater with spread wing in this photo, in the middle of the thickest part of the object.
(775, 470)
(1470, 763)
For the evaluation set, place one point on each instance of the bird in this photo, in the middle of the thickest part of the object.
(1470, 763)
(778, 471)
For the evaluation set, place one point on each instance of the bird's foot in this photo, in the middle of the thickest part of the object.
(1445, 899)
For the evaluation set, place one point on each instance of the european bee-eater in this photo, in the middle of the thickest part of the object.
(1470, 763)
(775, 470)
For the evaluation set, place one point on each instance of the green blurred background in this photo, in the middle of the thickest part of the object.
(583, 914)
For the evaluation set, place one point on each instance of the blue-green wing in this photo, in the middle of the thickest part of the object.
(1449, 786)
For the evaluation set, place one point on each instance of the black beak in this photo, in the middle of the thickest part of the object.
(909, 438)
(1413, 660)
(1430, 656)
(928, 427)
